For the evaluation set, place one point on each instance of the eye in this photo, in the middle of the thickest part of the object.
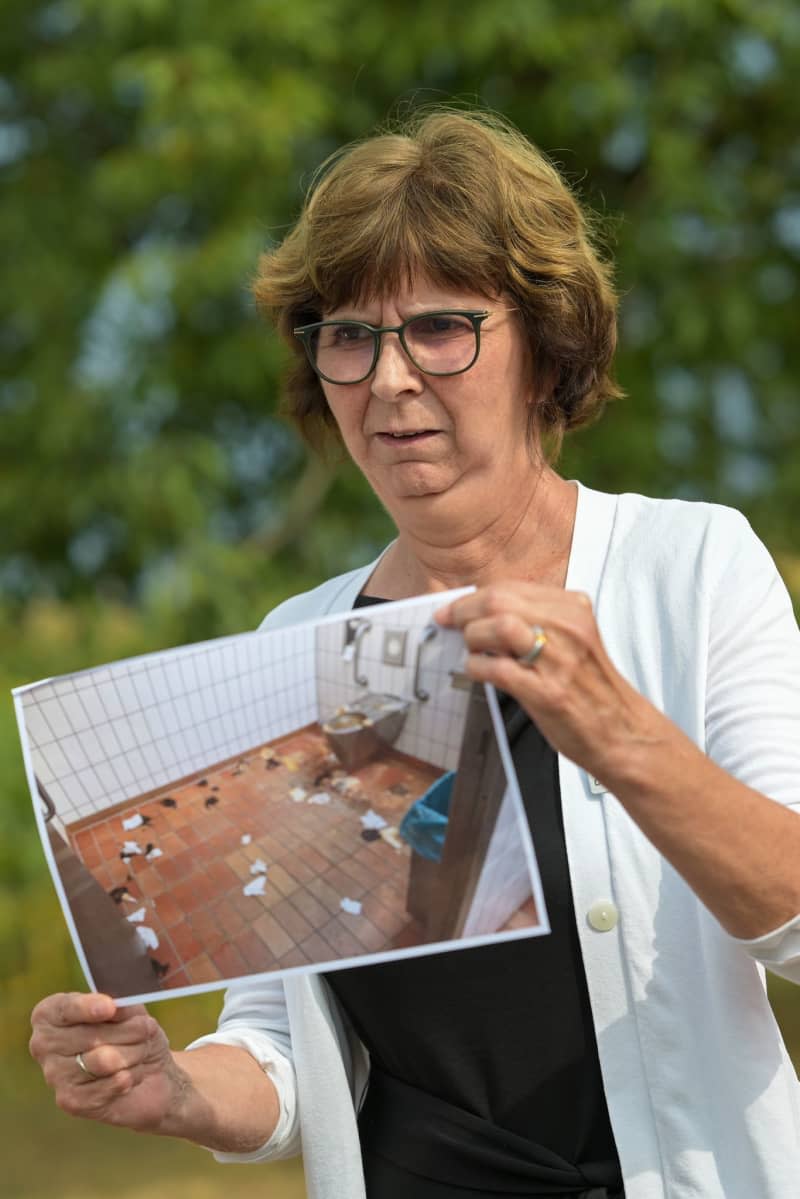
(334, 337)
(440, 325)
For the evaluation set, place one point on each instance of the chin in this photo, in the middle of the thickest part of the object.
(421, 483)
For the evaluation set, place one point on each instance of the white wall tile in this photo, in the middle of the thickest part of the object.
(39, 730)
(56, 763)
(143, 688)
(103, 696)
(56, 718)
(88, 782)
(124, 733)
(127, 694)
(122, 770)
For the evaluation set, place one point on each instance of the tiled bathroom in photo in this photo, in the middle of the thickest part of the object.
(234, 807)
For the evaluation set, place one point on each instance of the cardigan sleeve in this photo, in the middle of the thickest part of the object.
(254, 1018)
(753, 693)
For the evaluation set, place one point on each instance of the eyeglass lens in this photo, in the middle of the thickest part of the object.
(438, 343)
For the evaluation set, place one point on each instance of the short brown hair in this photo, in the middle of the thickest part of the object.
(465, 199)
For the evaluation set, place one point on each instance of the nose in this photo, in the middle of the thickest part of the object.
(395, 374)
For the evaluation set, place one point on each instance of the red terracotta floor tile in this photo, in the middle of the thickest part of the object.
(222, 876)
(228, 918)
(171, 844)
(249, 907)
(310, 907)
(189, 895)
(372, 938)
(238, 864)
(317, 949)
(297, 868)
(292, 920)
(344, 883)
(255, 953)
(179, 979)
(186, 944)
(205, 928)
(368, 876)
(168, 910)
(388, 920)
(151, 881)
(341, 939)
(174, 869)
(229, 962)
(273, 934)
(282, 879)
(295, 957)
(202, 970)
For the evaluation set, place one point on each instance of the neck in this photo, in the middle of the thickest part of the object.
(529, 538)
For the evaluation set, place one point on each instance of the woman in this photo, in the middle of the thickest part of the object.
(451, 321)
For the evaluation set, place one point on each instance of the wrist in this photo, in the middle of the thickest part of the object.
(648, 748)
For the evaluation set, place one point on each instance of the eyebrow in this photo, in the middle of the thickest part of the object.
(343, 314)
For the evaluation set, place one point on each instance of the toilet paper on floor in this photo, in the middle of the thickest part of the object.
(256, 887)
(371, 819)
(147, 935)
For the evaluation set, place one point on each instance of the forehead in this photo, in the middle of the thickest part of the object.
(420, 293)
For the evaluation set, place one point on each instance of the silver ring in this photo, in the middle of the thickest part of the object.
(539, 642)
(84, 1067)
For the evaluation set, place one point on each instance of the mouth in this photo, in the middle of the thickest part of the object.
(410, 437)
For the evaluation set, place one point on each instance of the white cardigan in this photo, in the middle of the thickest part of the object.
(703, 1099)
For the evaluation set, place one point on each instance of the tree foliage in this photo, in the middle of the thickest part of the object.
(151, 149)
(150, 492)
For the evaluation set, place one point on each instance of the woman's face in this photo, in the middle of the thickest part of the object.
(458, 440)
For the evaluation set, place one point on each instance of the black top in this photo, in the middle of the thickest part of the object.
(499, 1032)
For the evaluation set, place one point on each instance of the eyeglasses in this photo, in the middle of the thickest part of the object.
(445, 342)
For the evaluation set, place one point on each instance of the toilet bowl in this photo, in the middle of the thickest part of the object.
(366, 726)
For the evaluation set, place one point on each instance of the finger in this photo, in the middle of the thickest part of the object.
(134, 1031)
(77, 1038)
(484, 602)
(534, 601)
(95, 1098)
(506, 634)
(106, 1060)
(67, 1009)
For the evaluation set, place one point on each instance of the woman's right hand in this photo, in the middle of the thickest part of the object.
(129, 1076)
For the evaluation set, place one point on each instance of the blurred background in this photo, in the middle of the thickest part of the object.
(150, 493)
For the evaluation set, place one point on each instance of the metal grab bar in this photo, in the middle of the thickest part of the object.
(355, 632)
(49, 806)
(428, 633)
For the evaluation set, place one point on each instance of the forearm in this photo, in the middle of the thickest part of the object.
(738, 850)
(224, 1100)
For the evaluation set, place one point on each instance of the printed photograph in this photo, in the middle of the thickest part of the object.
(338, 791)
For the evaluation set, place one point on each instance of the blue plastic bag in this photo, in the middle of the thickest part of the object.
(424, 825)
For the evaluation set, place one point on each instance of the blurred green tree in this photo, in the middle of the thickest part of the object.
(150, 492)
(151, 149)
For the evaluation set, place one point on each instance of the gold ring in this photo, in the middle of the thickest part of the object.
(539, 642)
(84, 1067)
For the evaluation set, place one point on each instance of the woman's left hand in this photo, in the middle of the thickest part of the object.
(572, 691)
(736, 848)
